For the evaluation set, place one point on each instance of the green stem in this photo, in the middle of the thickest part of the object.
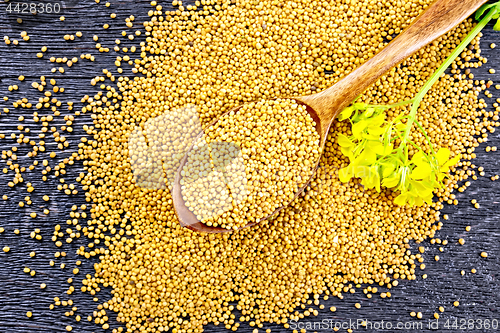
(395, 105)
(385, 107)
(437, 74)
(425, 134)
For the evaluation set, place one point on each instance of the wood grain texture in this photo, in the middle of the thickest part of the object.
(478, 293)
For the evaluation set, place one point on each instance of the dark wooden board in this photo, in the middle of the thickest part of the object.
(478, 293)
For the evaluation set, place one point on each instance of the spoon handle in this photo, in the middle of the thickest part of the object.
(439, 18)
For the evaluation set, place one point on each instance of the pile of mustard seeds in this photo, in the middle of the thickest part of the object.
(198, 62)
(332, 238)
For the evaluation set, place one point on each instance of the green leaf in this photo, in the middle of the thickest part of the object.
(369, 112)
(388, 169)
(344, 141)
(428, 199)
(446, 166)
(345, 174)
(401, 199)
(347, 151)
(418, 201)
(390, 182)
(443, 155)
(377, 121)
(400, 126)
(346, 113)
(419, 158)
(370, 177)
(496, 27)
(358, 128)
(374, 133)
(441, 176)
(376, 161)
(421, 188)
(482, 9)
(361, 171)
(421, 171)
(388, 149)
(367, 157)
(360, 106)
(376, 146)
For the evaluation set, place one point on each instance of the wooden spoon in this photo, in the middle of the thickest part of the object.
(439, 18)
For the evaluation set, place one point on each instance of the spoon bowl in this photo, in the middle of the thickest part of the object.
(323, 107)
(189, 220)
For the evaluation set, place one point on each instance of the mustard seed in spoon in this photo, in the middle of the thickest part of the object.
(251, 162)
